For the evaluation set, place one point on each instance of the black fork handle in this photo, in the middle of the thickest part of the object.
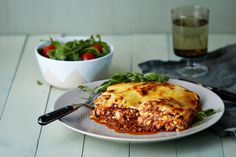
(225, 95)
(57, 114)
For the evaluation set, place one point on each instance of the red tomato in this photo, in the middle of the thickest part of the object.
(47, 49)
(98, 47)
(87, 56)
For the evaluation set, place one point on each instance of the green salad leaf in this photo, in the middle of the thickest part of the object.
(137, 77)
(73, 50)
(39, 82)
(204, 114)
(129, 77)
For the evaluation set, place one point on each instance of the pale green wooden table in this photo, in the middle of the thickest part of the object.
(22, 101)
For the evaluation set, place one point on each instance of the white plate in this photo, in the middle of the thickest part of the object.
(79, 120)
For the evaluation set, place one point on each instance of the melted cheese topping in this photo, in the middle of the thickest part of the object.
(135, 95)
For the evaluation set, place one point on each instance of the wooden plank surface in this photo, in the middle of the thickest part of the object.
(189, 146)
(10, 51)
(55, 139)
(216, 41)
(162, 149)
(148, 47)
(102, 148)
(19, 130)
(229, 145)
(211, 145)
(202, 144)
(20, 135)
(121, 62)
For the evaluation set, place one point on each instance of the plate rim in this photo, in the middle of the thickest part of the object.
(143, 140)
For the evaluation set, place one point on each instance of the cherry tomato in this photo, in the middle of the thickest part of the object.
(87, 56)
(98, 47)
(47, 49)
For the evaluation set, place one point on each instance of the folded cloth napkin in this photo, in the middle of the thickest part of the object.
(226, 126)
(222, 74)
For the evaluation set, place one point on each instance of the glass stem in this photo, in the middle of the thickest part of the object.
(190, 63)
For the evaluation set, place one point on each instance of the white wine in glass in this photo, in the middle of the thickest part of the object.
(190, 37)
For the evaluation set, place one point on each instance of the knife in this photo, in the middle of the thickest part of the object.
(223, 94)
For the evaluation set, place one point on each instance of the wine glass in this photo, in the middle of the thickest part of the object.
(190, 38)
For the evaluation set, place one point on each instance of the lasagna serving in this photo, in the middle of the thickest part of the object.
(146, 107)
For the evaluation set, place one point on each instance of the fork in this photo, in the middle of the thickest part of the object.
(61, 112)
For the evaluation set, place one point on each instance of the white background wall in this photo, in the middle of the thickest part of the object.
(105, 16)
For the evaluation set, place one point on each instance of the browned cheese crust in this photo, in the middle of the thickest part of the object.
(145, 108)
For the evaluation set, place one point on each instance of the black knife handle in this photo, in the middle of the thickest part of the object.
(226, 95)
(54, 115)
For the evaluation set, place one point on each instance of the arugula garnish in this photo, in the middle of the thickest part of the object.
(72, 50)
(39, 82)
(126, 77)
(204, 114)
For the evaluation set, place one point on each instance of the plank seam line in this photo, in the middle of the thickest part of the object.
(129, 150)
(40, 131)
(222, 147)
(176, 152)
(82, 151)
(14, 75)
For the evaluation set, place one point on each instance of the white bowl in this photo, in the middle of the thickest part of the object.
(70, 74)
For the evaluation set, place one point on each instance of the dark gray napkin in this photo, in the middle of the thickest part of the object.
(222, 74)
